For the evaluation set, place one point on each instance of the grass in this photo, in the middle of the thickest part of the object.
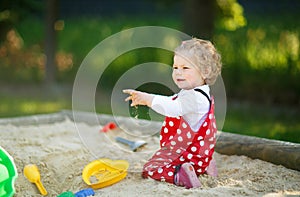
(263, 121)
(12, 107)
(23, 100)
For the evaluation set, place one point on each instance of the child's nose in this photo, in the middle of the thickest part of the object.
(178, 71)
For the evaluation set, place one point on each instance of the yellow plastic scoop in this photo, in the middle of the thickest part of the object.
(31, 172)
(104, 172)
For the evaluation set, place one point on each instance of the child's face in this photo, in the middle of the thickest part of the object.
(185, 74)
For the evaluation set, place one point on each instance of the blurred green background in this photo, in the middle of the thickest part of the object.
(44, 42)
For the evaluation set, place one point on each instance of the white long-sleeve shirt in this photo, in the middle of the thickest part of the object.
(192, 105)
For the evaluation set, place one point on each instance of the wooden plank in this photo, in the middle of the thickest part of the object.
(274, 151)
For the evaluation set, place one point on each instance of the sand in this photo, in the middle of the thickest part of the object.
(61, 154)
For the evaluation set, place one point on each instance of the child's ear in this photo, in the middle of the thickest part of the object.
(206, 72)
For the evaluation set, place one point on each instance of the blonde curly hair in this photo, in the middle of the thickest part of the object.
(204, 55)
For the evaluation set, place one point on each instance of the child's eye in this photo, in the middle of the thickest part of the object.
(175, 67)
(186, 67)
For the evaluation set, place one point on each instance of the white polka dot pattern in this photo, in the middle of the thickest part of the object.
(180, 139)
(201, 143)
(206, 152)
(188, 135)
(194, 149)
(166, 130)
(179, 145)
(160, 170)
(207, 131)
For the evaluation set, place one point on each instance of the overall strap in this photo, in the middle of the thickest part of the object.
(204, 93)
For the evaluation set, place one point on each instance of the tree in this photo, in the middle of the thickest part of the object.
(12, 12)
(50, 41)
(201, 16)
(198, 18)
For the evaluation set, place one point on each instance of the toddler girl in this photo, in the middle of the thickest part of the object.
(188, 134)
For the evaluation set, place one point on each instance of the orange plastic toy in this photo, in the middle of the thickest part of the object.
(109, 126)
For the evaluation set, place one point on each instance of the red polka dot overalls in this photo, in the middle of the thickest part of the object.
(179, 144)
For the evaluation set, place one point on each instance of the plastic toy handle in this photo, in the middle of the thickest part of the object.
(125, 141)
(41, 188)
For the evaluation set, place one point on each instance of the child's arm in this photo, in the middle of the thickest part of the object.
(139, 98)
(163, 105)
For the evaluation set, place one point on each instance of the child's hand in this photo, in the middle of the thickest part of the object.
(139, 98)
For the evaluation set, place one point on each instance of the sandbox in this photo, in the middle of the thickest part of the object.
(248, 166)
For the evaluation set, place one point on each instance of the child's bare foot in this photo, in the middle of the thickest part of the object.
(187, 177)
(212, 169)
